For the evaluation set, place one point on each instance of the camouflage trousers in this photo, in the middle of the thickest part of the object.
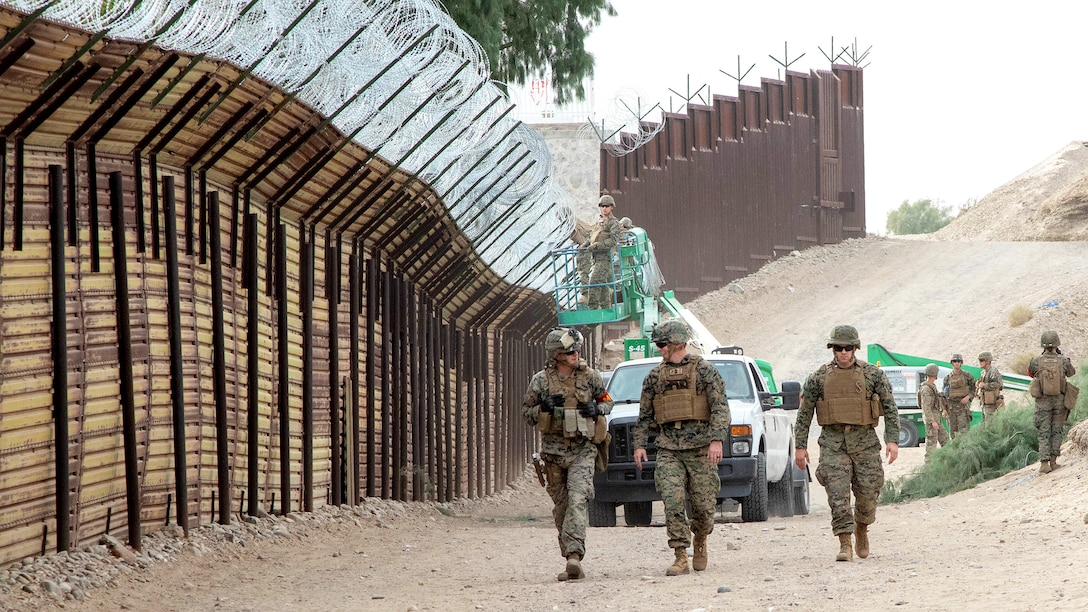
(959, 417)
(1050, 423)
(570, 485)
(934, 436)
(601, 274)
(683, 473)
(989, 410)
(855, 466)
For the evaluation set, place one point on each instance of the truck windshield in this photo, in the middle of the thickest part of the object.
(625, 386)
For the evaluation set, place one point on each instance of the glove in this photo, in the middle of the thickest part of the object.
(589, 410)
(554, 404)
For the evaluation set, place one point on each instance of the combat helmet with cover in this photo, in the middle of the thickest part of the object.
(844, 335)
(1049, 339)
(673, 331)
(562, 340)
(932, 370)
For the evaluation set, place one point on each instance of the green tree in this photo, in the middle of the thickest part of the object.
(523, 37)
(918, 217)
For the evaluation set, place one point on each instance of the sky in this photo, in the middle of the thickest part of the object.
(960, 96)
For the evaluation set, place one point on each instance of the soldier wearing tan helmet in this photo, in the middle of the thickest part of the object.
(603, 238)
(989, 385)
(1055, 397)
(848, 397)
(566, 402)
(683, 402)
(929, 401)
(959, 390)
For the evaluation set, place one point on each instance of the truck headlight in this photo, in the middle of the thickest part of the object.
(741, 447)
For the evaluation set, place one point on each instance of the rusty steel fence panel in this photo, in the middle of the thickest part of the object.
(302, 332)
(726, 188)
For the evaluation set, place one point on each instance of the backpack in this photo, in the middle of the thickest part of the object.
(1051, 374)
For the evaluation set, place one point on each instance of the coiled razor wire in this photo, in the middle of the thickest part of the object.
(414, 85)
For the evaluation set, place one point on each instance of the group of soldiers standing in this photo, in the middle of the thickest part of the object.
(960, 389)
(594, 259)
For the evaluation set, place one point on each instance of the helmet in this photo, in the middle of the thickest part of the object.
(844, 335)
(606, 200)
(957, 357)
(626, 223)
(562, 340)
(985, 356)
(1049, 339)
(931, 370)
(673, 331)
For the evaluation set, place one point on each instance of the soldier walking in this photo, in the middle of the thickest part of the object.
(848, 396)
(1051, 391)
(989, 386)
(959, 388)
(930, 402)
(564, 402)
(683, 402)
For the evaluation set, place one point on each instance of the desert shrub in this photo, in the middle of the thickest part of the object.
(1005, 443)
(1019, 315)
(1019, 364)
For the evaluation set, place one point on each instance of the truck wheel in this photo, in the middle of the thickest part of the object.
(780, 494)
(602, 514)
(638, 514)
(800, 491)
(908, 435)
(753, 509)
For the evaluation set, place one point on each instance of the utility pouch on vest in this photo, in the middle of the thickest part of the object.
(546, 423)
(1071, 395)
(600, 430)
(989, 397)
(1035, 389)
(876, 407)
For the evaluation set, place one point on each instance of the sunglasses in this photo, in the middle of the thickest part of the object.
(957, 361)
(842, 349)
(661, 345)
(604, 206)
(571, 352)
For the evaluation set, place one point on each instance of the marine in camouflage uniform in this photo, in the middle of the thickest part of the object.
(848, 397)
(929, 401)
(583, 262)
(1050, 410)
(690, 428)
(989, 385)
(603, 238)
(564, 401)
(959, 387)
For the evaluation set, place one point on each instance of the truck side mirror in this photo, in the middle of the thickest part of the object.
(791, 395)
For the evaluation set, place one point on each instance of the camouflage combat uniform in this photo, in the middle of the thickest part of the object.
(959, 386)
(568, 460)
(1050, 413)
(583, 261)
(682, 447)
(930, 403)
(989, 382)
(604, 237)
(849, 454)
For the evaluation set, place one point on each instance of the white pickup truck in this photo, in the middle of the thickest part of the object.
(756, 470)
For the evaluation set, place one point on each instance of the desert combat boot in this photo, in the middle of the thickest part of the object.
(1044, 467)
(861, 540)
(573, 570)
(846, 549)
(680, 565)
(1054, 464)
(698, 555)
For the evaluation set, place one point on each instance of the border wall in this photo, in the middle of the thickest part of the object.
(725, 188)
(213, 303)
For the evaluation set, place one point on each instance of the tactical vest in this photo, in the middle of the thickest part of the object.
(572, 425)
(1051, 373)
(676, 399)
(957, 386)
(933, 387)
(846, 400)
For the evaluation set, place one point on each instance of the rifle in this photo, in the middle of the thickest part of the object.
(538, 465)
